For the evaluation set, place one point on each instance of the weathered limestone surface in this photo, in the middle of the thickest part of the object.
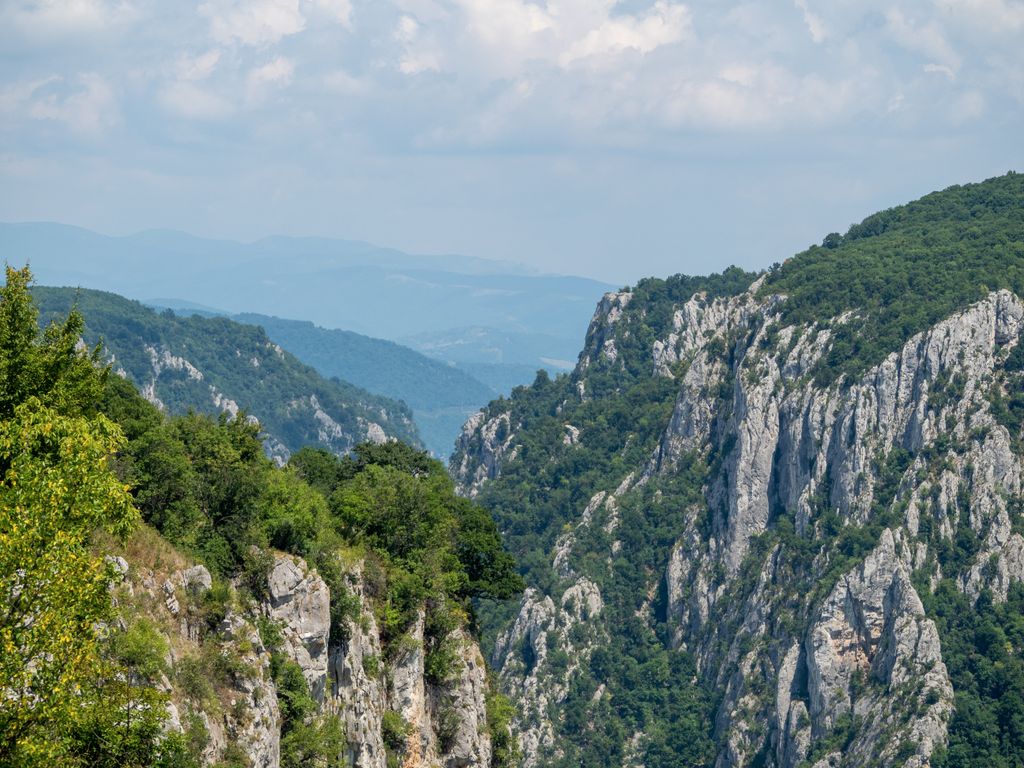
(913, 440)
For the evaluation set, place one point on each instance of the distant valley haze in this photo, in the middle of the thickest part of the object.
(494, 323)
(332, 283)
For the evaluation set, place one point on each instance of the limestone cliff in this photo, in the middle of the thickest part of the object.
(221, 681)
(824, 507)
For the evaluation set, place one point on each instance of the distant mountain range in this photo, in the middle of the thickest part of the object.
(215, 365)
(473, 312)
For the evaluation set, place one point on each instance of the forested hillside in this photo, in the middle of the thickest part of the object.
(775, 520)
(440, 395)
(172, 598)
(214, 365)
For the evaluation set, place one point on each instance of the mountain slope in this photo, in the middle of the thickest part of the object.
(777, 521)
(215, 365)
(172, 597)
(440, 395)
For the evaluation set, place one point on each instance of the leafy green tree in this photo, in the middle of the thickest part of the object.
(292, 513)
(491, 570)
(120, 719)
(56, 490)
(43, 365)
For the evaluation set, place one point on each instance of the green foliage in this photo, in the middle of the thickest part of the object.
(439, 663)
(904, 269)
(395, 731)
(45, 366)
(140, 648)
(505, 752)
(66, 698)
(983, 648)
(317, 744)
(838, 739)
(292, 691)
(120, 723)
(206, 486)
(401, 504)
(191, 674)
(224, 351)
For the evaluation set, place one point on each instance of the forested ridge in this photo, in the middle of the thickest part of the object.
(904, 269)
(440, 395)
(211, 364)
(88, 467)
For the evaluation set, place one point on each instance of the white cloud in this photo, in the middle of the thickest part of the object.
(992, 17)
(266, 78)
(923, 37)
(266, 22)
(194, 68)
(66, 17)
(484, 39)
(85, 103)
(252, 22)
(510, 23)
(276, 73)
(340, 81)
(815, 24)
(15, 96)
(194, 102)
(416, 57)
(279, 71)
(339, 10)
(941, 69)
(536, 71)
(664, 24)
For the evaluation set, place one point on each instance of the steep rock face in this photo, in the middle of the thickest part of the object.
(810, 646)
(354, 677)
(482, 444)
(522, 651)
(301, 603)
(358, 692)
(446, 722)
(794, 441)
(872, 628)
(220, 685)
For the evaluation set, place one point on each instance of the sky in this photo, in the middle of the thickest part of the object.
(608, 139)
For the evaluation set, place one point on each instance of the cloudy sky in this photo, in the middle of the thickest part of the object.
(611, 139)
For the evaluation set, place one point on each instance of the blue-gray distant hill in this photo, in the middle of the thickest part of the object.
(438, 302)
(215, 365)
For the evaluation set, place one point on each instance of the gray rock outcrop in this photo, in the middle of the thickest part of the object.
(908, 453)
(301, 603)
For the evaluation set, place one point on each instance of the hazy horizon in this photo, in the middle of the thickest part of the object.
(607, 139)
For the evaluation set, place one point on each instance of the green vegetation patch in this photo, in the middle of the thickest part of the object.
(904, 269)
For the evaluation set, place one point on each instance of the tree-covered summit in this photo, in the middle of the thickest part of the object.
(903, 269)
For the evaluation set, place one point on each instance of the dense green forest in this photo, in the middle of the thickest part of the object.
(239, 361)
(82, 453)
(904, 269)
